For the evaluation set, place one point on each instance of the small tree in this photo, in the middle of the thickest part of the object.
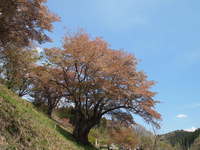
(124, 137)
(100, 81)
(16, 66)
(45, 90)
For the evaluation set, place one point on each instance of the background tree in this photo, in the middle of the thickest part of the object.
(24, 21)
(124, 137)
(100, 81)
(44, 90)
(16, 66)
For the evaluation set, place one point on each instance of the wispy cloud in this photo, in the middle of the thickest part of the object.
(180, 116)
(192, 129)
(197, 105)
(191, 106)
(124, 14)
(188, 58)
(192, 57)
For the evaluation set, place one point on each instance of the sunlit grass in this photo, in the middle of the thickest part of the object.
(23, 127)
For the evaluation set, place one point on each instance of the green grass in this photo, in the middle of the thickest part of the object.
(23, 127)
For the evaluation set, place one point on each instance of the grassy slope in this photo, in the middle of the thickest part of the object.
(22, 127)
(196, 144)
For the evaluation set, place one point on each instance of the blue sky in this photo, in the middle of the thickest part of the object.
(163, 34)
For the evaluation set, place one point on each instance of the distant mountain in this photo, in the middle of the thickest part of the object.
(182, 139)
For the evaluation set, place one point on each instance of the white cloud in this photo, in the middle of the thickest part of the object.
(181, 116)
(192, 129)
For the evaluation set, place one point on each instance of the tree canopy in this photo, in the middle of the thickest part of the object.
(24, 21)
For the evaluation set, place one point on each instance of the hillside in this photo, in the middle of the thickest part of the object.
(183, 140)
(22, 127)
(196, 144)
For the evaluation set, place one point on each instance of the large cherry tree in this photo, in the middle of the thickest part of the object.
(100, 81)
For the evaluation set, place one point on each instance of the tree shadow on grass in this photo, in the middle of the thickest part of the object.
(70, 137)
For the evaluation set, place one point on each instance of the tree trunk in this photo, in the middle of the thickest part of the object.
(81, 132)
(20, 94)
(50, 106)
(82, 126)
(82, 129)
(49, 112)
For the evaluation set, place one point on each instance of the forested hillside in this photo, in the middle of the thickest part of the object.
(182, 140)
